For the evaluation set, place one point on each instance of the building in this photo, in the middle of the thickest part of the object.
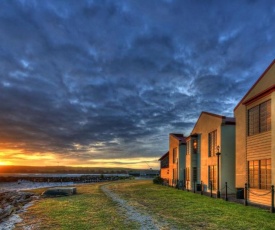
(177, 152)
(255, 138)
(211, 134)
(164, 167)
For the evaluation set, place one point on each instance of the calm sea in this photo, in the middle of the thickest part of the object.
(55, 175)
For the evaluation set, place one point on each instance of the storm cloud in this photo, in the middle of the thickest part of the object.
(111, 79)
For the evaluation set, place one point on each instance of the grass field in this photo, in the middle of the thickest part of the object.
(91, 209)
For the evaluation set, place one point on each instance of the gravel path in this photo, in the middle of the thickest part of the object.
(145, 220)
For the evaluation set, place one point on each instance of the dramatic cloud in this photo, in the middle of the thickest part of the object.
(84, 82)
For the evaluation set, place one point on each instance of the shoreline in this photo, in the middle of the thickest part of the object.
(8, 223)
(27, 185)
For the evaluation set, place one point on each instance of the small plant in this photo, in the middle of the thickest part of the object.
(157, 180)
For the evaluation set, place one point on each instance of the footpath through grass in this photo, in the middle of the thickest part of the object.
(91, 209)
(186, 210)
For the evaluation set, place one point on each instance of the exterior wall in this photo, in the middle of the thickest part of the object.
(164, 167)
(188, 165)
(181, 171)
(225, 139)
(198, 159)
(227, 157)
(164, 173)
(258, 146)
(258, 196)
(240, 147)
(255, 147)
(205, 125)
(273, 138)
(176, 169)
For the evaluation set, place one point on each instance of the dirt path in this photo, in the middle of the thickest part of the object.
(145, 220)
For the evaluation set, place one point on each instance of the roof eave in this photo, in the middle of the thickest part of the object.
(267, 69)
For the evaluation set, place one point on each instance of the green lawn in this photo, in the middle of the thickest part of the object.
(186, 210)
(91, 209)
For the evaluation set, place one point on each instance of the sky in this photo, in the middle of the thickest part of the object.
(103, 83)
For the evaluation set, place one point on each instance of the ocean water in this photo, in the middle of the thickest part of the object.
(25, 184)
(55, 175)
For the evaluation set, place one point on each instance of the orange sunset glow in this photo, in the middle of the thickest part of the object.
(18, 157)
(103, 83)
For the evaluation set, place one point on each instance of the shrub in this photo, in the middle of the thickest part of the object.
(157, 180)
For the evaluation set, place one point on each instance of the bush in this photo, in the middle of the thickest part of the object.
(157, 180)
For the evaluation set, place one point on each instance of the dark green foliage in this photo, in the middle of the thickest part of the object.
(157, 180)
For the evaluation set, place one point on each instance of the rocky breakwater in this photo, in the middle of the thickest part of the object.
(13, 201)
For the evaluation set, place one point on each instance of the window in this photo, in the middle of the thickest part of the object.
(259, 118)
(164, 163)
(187, 174)
(259, 174)
(195, 146)
(175, 155)
(265, 174)
(187, 147)
(212, 143)
(195, 174)
(212, 170)
(253, 174)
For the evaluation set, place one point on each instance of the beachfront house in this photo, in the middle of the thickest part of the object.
(255, 138)
(164, 167)
(211, 134)
(177, 150)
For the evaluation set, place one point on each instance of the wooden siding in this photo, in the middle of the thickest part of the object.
(259, 146)
(164, 173)
(258, 196)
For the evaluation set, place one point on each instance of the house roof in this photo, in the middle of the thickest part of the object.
(192, 135)
(253, 98)
(179, 136)
(225, 120)
(165, 155)
(229, 120)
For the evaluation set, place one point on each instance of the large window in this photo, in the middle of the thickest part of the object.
(259, 118)
(212, 143)
(175, 155)
(212, 170)
(253, 174)
(259, 174)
